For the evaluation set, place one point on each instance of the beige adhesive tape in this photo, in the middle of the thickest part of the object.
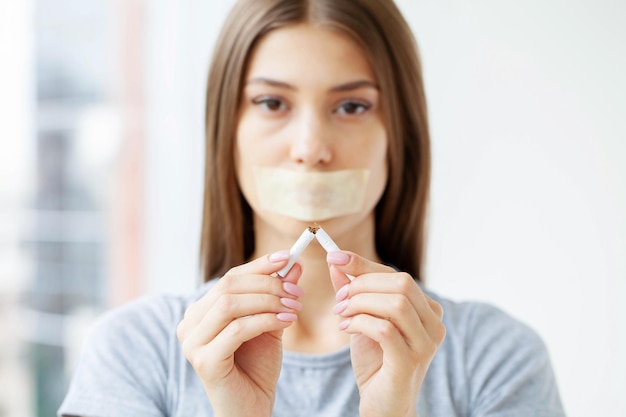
(311, 196)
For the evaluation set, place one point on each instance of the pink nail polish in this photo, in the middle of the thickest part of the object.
(343, 292)
(279, 256)
(337, 258)
(286, 316)
(340, 307)
(291, 303)
(293, 289)
(344, 324)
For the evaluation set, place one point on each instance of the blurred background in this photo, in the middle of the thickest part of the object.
(101, 127)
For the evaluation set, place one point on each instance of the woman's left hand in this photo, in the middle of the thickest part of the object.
(396, 330)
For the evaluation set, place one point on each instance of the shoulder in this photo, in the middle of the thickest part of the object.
(503, 362)
(484, 326)
(130, 359)
(141, 331)
(157, 311)
(150, 315)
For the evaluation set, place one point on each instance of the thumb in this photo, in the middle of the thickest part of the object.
(338, 278)
(294, 274)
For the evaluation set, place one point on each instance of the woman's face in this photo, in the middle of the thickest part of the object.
(310, 104)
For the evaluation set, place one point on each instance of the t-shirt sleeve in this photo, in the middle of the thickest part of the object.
(509, 368)
(123, 367)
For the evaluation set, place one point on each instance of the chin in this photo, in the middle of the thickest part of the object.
(334, 226)
(273, 222)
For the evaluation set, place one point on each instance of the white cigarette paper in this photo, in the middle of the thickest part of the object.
(327, 243)
(296, 250)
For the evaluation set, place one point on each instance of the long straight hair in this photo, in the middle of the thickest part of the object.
(378, 27)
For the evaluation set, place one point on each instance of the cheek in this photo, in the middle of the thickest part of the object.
(254, 147)
(245, 179)
(379, 167)
(256, 143)
(380, 171)
(244, 141)
(378, 154)
(244, 151)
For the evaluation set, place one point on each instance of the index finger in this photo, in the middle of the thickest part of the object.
(352, 264)
(266, 265)
(249, 278)
(344, 266)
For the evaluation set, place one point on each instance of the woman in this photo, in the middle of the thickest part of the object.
(314, 100)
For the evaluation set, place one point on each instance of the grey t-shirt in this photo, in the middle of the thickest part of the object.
(488, 365)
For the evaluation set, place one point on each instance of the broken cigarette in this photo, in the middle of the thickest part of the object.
(327, 243)
(303, 241)
(296, 250)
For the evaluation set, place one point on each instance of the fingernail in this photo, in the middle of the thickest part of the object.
(337, 258)
(279, 256)
(344, 324)
(340, 307)
(342, 294)
(291, 303)
(286, 316)
(293, 289)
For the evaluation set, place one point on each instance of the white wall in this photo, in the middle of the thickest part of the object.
(529, 181)
(527, 103)
(17, 151)
(178, 39)
(16, 105)
(16, 186)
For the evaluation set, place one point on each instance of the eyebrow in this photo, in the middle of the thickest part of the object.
(270, 82)
(353, 85)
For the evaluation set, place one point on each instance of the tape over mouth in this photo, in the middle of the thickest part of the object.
(311, 196)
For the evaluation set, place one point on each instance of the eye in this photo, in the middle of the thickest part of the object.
(353, 107)
(270, 104)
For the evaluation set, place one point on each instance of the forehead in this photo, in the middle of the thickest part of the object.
(304, 52)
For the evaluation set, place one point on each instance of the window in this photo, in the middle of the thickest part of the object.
(73, 237)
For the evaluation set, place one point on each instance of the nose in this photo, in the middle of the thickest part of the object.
(311, 144)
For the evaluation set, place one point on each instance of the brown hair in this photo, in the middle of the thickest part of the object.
(378, 26)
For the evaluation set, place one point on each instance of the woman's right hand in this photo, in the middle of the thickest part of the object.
(232, 336)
